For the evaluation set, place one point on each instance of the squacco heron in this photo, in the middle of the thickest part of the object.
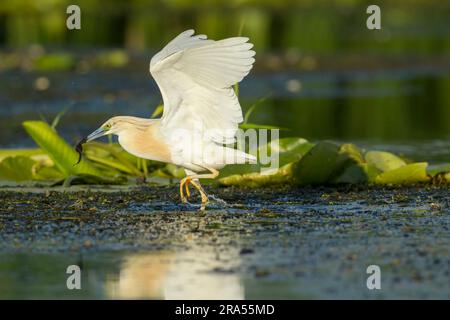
(201, 110)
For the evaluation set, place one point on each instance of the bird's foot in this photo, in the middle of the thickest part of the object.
(184, 189)
(203, 194)
(205, 200)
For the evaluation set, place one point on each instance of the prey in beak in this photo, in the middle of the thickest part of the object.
(79, 149)
(100, 132)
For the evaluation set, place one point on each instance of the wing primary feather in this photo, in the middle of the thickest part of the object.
(195, 75)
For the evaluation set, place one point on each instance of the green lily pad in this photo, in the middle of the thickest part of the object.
(289, 150)
(384, 161)
(283, 175)
(408, 174)
(17, 168)
(317, 166)
(293, 149)
(48, 173)
(351, 167)
(353, 174)
(4, 153)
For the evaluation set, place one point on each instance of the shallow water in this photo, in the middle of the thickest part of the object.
(285, 243)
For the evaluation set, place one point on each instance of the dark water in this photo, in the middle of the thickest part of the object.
(263, 244)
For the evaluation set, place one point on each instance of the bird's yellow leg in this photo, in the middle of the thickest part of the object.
(183, 198)
(212, 175)
(185, 183)
(196, 183)
(199, 187)
(186, 186)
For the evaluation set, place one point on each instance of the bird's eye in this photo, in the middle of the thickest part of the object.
(108, 126)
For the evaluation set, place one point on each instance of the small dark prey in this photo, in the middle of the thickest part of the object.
(79, 149)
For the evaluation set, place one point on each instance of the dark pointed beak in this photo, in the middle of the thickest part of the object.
(100, 132)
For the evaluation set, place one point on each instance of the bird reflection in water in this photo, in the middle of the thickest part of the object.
(181, 275)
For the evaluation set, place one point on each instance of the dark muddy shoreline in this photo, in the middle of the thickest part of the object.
(289, 242)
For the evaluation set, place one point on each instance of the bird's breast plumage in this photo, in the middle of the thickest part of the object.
(147, 144)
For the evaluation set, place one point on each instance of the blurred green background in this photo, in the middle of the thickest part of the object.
(321, 72)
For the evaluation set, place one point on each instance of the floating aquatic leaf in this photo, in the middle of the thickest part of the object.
(384, 161)
(47, 173)
(408, 174)
(36, 152)
(350, 166)
(289, 150)
(317, 166)
(358, 173)
(256, 179)
(292, 149)
(17, 168)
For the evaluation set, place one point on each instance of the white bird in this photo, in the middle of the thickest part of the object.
(201, 110)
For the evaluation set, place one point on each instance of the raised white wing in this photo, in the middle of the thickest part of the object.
(195, 76)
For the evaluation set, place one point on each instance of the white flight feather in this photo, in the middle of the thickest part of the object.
(195, 76)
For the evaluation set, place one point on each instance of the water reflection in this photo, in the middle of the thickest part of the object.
(140, 276)
(190, 274)
(201, 272)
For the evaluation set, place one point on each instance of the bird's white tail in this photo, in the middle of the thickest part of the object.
(240, 157)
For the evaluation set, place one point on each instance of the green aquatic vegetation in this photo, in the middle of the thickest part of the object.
(62, 154)
(17, 168)
(62, 60)
(257, 179)
(32, 153)
(56, 160)
(111, 156)
(331, 163)
(437, 169)
(317, 166)
(54, 62)
(384, 161)
(112, 59)
(289, 151)
(300, 163)
(411, 173)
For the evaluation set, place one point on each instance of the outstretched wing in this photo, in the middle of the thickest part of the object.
(195, 76)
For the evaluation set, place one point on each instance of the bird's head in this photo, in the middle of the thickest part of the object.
(111, 126)
(116, 125)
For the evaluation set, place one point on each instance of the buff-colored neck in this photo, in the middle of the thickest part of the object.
(143, 139)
